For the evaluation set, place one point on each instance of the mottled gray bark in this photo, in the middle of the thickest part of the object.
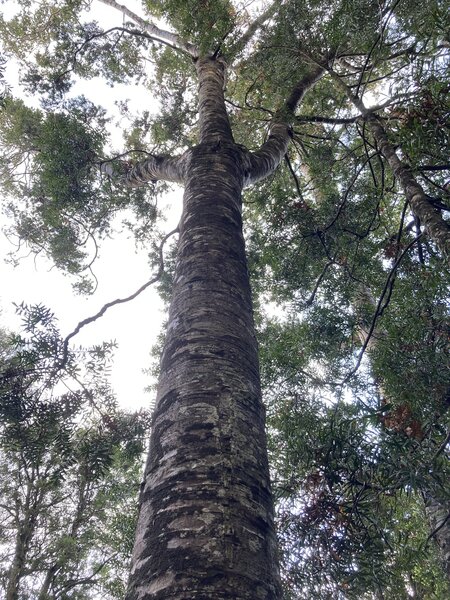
(206, 525)
(205, 528)
(15, 572)
(154, 168)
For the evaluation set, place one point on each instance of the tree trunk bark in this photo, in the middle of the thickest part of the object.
(431, 217)
(205, 528)
(439, 518)
(206, 522)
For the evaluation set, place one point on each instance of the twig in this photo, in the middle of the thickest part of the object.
(435, 531)
(379, 309)
(321, 277)
(294, 175)
(442, 447)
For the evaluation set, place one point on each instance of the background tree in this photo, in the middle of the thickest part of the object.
(70, 469)
(360, 205)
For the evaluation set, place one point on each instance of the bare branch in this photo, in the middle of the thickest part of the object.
(153, 30)
(108, 305)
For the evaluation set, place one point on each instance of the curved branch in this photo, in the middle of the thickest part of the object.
(156, 32)
(108, 305)
(265, 160)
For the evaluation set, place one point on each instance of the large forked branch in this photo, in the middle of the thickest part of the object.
(438, 229)
(153, 30)
(155, 168)
(265, 160)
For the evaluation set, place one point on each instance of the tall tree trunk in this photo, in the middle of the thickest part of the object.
(25, 531)
(205, 528)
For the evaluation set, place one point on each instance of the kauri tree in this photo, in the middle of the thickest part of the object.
(335, 117)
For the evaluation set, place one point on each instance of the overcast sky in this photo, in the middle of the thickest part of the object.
(120, 270)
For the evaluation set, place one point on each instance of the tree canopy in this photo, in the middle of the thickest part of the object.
(348, 240)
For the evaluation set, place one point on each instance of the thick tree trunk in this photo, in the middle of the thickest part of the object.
(205, 528)
(206, 525)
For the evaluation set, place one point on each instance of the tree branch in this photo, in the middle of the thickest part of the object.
(265, 160)
(154, 30)
(154, 168)
(102, 311)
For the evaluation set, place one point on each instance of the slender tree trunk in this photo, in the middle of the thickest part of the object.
(439, 518)
(431, 217)
(205, 528)
(80, 517)
(16, 570)
(25, 531)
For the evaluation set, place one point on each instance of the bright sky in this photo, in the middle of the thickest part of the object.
(120, 270)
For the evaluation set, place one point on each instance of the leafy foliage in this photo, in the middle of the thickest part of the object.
(70, 467)
(355, 362)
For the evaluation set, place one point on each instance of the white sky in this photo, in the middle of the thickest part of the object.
(120, 270)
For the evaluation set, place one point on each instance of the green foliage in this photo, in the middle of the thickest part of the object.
(204, 22)
(70, 464)
(354, 366)
(62, 205)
